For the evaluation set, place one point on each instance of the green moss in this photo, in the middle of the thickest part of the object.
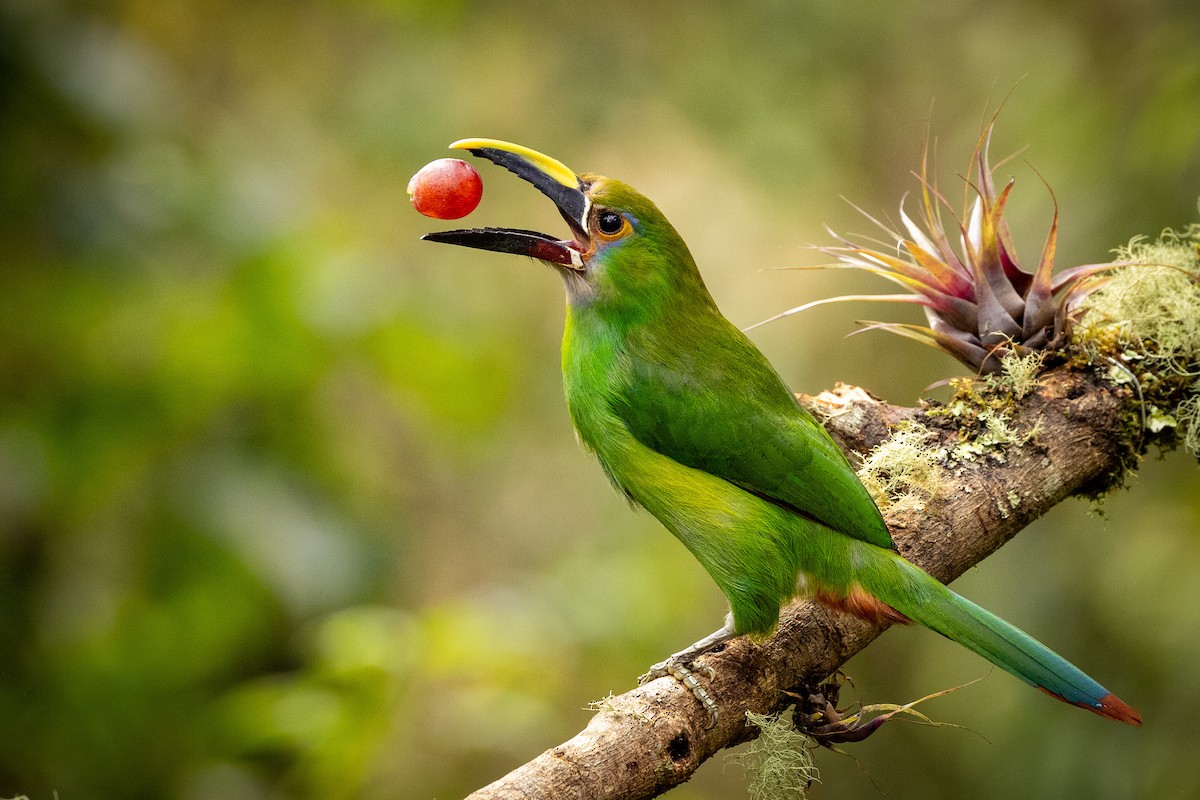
(779, 762)
(982, 411)
(1158, 420)
(1150, 310)
(1143, 326)
(1018, 374)
(998, 431)
(1188, 413)
(904, 469)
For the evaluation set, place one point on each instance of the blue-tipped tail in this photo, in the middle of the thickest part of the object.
(923, 599)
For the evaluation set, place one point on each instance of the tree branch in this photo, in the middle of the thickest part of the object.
(654, 737)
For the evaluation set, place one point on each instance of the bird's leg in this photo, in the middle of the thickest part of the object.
(679, 666)
(686, 656)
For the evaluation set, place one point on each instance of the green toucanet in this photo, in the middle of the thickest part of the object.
(690, 421)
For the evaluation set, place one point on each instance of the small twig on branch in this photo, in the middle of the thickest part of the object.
(654, 737)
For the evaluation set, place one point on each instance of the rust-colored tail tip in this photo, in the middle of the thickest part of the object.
(1109, 706)
(1114, 707)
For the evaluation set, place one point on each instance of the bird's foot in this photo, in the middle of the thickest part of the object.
(674, 667)
(687, 677)
(681, 667)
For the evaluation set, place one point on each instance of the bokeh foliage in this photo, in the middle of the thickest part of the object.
(289, 504)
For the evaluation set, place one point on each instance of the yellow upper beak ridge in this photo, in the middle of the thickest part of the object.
(551, 167)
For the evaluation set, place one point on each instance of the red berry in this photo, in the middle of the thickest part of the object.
(446, 189)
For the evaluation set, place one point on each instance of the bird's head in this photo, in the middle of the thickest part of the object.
(621, 247)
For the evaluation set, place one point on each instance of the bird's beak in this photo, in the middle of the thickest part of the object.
(549, 176)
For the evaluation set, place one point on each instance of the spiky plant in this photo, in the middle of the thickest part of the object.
(979, 303)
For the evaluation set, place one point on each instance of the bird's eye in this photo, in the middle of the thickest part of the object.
(610, 222)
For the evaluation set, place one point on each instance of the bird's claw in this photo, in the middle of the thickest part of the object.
(660, 670)
(686, 675)
(681, 667)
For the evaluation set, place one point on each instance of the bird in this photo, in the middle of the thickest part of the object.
(690, 421)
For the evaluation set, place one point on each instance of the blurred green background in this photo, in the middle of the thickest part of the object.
(290, 506)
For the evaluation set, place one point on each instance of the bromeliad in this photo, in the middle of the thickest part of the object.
(690, 421)
(980, 305)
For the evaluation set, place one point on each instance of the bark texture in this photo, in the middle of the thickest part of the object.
(654, 737)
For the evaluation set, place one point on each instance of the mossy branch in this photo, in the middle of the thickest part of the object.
(654, 737)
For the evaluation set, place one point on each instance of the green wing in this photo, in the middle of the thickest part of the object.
(724, 410)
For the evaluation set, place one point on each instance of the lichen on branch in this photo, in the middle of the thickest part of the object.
(1144, 323)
